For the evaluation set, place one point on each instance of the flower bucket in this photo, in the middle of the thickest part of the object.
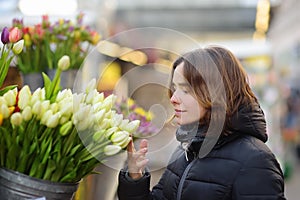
(67, 78)
(17, 186)
(34, 80)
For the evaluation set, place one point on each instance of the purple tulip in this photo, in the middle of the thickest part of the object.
(5, 35)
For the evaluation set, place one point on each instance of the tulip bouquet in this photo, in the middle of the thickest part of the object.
(131, 110)
(46, 43)
(58, 135)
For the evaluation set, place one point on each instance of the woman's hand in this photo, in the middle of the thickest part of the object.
(137, 159)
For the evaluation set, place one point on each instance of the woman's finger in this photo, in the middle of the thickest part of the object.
(144, 144)
(130, 147)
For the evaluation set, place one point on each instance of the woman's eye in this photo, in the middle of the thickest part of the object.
(186, 90)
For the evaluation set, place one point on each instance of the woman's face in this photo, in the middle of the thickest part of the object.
(186, 107)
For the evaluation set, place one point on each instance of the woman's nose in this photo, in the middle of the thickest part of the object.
(174, 99)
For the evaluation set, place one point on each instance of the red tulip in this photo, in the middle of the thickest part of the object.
(15, 35)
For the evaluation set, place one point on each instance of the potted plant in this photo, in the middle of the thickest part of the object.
(46, 42)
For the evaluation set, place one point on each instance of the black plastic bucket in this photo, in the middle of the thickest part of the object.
(17, 186)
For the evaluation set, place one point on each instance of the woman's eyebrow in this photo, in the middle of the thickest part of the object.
(184, 84)
(181, 84)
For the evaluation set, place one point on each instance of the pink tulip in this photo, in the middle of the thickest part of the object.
(15, 35)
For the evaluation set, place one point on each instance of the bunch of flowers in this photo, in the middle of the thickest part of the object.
(132, 111)
(12, 45)
(46, 43)
(57, 135)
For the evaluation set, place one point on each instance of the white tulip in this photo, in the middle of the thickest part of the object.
(54, 107)
(84, 124)
(111, 131)
(10, 97)
(109, 114)
(66, 93)
(83, 112)
(99, 116)
(104, 124)
(132, 126)
(27, 113)
(99, 97)
(4, 111)
(16, 119)
(45, 117)
(65, 128)
(36, 108)
(38, 95)
(45, 106)
(53, 120)
(98, 135)
(78, 99)
(119, 136)
(90, 96)
(97, 106)
(123, 124)
(24, 97)
(109, 102)
(63, 119)
(2, 101)
(110, 150)
(123, 143)
(15, 91)
(116, 120)
(18, 47)
(91, 86)
(66, 107)
(64, 63)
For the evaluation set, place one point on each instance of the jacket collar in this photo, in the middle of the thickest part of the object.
(248, 120)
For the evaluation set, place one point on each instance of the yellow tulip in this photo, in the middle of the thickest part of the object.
(1, 119)
(27, 40)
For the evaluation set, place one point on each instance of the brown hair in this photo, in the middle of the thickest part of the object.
(218, 81)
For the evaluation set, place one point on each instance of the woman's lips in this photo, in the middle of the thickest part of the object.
(178, 112)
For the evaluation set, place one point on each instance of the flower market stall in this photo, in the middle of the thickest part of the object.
(51, 138)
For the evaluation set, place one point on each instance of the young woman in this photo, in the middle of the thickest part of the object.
(222, 131)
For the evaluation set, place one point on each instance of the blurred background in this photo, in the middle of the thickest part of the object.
(264, 34)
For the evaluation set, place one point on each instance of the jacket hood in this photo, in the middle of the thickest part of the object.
(250, 120)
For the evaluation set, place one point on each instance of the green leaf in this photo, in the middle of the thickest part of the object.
(4, 69)
(51, 166)
(6, 89)
(47, 85)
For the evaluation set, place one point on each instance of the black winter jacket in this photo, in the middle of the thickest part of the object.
(239, 167)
